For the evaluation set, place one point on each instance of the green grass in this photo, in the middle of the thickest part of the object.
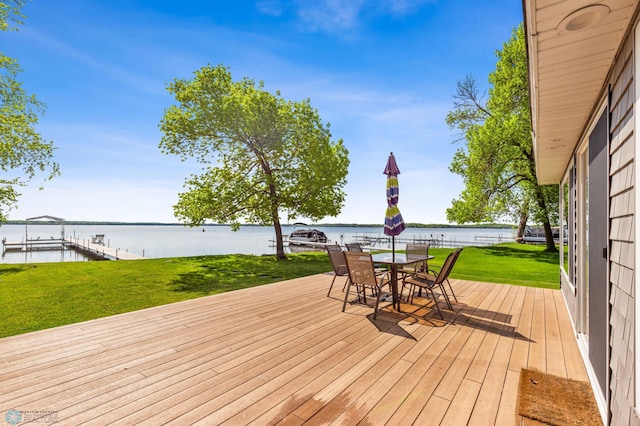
(506, 263)
(510, 263)
(39, 296)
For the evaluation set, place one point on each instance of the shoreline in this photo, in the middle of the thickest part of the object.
(328, 225)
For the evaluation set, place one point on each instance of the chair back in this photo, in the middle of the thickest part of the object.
(457, 252)
(361, 270)
(337, 259)
(354, 247)
(447, 267)
(417, 251)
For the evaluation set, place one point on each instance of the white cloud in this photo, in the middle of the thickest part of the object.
(405, 7)
(270, 7)
(337, 16)
(331, 16)
(135, 81)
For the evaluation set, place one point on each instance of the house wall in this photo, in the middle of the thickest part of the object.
(621, 238)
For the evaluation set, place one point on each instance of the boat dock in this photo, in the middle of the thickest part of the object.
(91, 249)
(100, 250)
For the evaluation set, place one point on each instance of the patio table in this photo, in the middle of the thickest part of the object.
(394, 261)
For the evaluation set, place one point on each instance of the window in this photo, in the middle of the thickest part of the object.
(567, 224)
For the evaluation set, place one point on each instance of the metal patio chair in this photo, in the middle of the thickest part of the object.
(363, 276)
(428, 282)
(339, 264)
(357, 247)
(434, 273)
(416, 251)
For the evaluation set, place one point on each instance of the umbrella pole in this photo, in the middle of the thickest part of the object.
(393, 247)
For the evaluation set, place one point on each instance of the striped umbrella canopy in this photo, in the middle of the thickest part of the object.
(393, 222)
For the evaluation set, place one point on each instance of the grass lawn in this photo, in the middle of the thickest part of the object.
(512, 263)
(44, 295)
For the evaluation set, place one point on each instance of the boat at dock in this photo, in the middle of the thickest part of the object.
(536, 235)
(308, 236)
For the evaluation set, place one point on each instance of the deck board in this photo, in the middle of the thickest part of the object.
(286, 354)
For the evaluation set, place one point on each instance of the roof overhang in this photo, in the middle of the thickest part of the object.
(571, 46)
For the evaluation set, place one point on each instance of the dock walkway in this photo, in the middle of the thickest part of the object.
(100, 250)
(84, 246)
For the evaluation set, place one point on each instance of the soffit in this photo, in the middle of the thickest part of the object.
(571, 45)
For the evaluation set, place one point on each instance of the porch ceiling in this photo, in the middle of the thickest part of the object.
(571, 46)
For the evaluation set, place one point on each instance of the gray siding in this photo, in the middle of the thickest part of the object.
(621, 239)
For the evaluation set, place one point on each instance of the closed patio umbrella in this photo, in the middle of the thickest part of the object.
(393, 222)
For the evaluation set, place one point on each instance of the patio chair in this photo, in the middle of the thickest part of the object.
(429, 282)
(339, 264)
(416, 251)
(435, 272)
(363, 276)
(357, 247)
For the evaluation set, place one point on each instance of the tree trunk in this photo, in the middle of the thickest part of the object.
(548, 233)
(275, 211)
(548, 236)
(280, 254)
(524, 216)
(275, 215)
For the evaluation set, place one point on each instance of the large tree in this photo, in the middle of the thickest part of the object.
(497, 162)
(263, 156)
(23, 152)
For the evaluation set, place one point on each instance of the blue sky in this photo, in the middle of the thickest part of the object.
(382, 72)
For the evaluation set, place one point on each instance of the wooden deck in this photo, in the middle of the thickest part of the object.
(285, 353)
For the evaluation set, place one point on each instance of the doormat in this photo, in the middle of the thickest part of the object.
(555, 400)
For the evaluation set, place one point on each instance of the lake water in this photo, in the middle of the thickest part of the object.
(158, 241)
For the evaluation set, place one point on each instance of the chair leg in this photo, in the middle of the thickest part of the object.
(435, 302)
(362, 292)
(451, 288)
(412, 290)
(345, 284)
(346, 296)
(331, 286)
(375, 308)
(445, 296)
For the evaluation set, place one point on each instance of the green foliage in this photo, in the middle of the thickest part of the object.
(23, 152)
(10, 11)
(497, 162)
(262, 155)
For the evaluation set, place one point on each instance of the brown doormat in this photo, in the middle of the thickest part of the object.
(555, 400)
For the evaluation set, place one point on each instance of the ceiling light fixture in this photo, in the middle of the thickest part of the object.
(585, 17)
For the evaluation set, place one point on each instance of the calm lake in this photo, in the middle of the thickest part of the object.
(157, 241)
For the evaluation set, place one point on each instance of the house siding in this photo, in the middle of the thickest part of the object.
(621, 239)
